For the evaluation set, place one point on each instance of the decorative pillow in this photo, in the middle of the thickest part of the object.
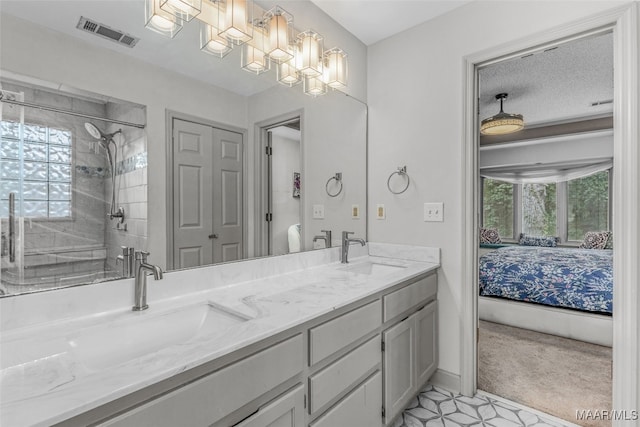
(595, 240)
(490, 236)
(545, 241)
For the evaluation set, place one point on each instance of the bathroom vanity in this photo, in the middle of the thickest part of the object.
(298, 340)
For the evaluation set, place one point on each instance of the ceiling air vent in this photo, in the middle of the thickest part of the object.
(106, 32)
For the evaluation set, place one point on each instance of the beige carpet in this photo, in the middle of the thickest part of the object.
(548, 373)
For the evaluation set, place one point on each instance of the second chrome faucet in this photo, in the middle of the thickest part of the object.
(142, 268)
(346, 241)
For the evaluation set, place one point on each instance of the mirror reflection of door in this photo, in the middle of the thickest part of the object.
(284, 178)
(207, 194)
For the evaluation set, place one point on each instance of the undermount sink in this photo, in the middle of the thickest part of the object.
(372, 268)
(136, 334)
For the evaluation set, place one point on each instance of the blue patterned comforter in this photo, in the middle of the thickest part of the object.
(563, 277)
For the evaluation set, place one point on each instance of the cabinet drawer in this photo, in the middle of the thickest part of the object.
(361, 408)
(403, 299)
(215, 396)
(286, 411)
(343, 373)
(330, 337)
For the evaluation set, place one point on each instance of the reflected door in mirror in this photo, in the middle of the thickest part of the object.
(207, 194)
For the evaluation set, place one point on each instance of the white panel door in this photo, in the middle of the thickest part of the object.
(227, 196)
(426, 342)
(192, 195)
(207, 194)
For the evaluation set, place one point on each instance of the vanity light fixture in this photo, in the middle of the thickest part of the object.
(314, 86)
(309, 53)
(161, 21)
(335, 68)
(270, 37)
(502, 123)
(279, 26)
(183, 9)
(235, 22)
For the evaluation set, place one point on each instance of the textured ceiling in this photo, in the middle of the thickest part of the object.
(553, 85)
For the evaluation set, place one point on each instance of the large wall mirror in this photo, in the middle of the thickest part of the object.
(116, 172)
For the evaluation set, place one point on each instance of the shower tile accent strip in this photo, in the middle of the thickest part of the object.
(91, 171)
(138, 161)
(436, 407)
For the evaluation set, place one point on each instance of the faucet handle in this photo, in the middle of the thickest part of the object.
(142, 256)
(345, 234)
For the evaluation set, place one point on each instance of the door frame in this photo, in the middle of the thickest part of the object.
(169, 116)
(260, 184)
(626, 202)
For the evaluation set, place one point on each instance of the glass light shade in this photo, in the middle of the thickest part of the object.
(235, 22)
(309, 53)
(279, 28)
(211, 42)
(287, 74)
(210, 13)
(183, 9)
(335, 68)
(160, 21)
(314, 86)
(254, 60)
(502, 124)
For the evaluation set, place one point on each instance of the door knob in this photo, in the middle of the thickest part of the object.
(213, 236)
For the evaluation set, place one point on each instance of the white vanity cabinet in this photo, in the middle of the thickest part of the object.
(410, 344)
(284, 411)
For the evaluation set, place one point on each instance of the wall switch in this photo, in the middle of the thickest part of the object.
(355, 212)
(434, 212)
(380, 212)
(318, 211)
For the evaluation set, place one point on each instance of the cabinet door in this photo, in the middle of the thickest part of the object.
(426, 342)
(285, 411)
(360, 408)
(399, 367)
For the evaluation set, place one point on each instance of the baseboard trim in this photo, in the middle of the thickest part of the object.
(446, 380)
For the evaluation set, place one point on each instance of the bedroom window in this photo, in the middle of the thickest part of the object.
(587, 205)
(539, 209)
(498, 206)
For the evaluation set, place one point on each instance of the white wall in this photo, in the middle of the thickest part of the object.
(415, 96)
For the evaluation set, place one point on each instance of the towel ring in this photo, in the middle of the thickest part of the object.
(402, 171)
(338, 178)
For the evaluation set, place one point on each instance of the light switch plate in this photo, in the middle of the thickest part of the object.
(381, 213)
(433, 212)
(355, 212)
(318, 211)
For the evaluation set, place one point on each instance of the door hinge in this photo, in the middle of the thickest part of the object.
(382, 345)
(383, 414)
(305, 401)
(268, 151)
(477, 335)
(268, 217)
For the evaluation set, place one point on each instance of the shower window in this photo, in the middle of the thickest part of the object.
(35, 163)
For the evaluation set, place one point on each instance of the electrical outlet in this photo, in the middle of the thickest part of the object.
(434, 212)
(318, 211)
(380, 212)
(355, 212)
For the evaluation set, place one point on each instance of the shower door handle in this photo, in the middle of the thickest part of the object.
(12, 227)
(213, 236)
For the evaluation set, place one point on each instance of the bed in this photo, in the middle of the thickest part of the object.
(563, 291)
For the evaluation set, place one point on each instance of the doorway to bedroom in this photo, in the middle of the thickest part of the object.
(545, 250)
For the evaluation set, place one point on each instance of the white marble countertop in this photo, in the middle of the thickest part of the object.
(59, 386)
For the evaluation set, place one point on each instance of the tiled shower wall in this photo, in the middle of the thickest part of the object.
(76, 245)
(131, 183)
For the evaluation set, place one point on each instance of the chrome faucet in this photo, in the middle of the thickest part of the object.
(346, 241)
(127, 260)
(326, 238)
(142, 267)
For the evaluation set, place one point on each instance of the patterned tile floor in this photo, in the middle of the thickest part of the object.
(436, 407)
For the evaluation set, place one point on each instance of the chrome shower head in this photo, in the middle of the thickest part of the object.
(95, 132)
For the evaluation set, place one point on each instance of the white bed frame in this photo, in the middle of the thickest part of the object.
(577, 325)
